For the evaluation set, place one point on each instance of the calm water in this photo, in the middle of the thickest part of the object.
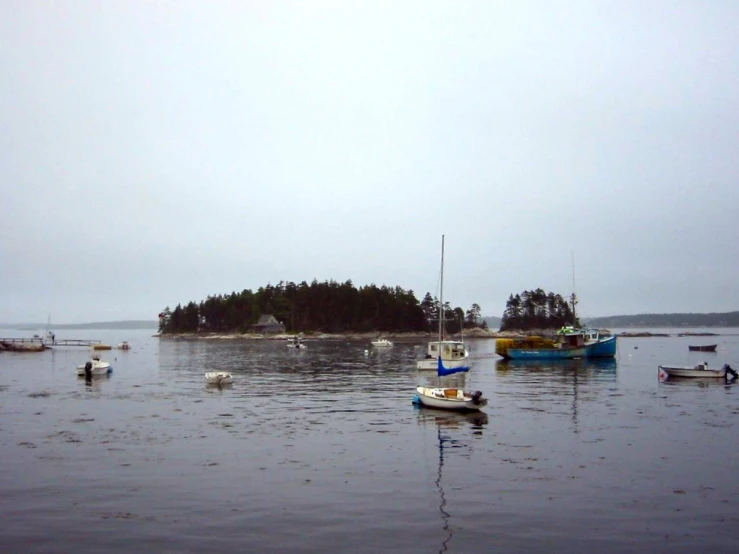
(321, 450)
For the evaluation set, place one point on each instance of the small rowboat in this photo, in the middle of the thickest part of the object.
(703, 348)
(218, 378)
(698, 371)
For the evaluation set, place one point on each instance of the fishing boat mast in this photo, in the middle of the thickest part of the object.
(573, 296)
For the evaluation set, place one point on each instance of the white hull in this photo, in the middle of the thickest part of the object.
(449, 399)
(98, 368)
(692, 372)
(218, 378)
(382, 343)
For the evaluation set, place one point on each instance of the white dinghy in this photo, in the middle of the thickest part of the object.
(218, 378)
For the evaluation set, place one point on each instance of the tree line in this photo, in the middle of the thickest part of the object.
(537, 309)
(328, 306)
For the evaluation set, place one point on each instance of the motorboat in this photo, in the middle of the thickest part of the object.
(124, 345)
(295, 341)
(218, 378)
(700, 370)
(381, 343)
(454, 354)
(95, 366)
(450, 398)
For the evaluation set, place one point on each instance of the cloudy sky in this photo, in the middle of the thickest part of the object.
(153, 153)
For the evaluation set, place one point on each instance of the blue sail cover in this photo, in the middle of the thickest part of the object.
(442, 371)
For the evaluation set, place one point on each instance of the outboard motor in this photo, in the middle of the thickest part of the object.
(476, 396)
(730, 371)
(88, 370)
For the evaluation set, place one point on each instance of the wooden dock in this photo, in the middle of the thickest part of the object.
(26, 341)
(37, 341)
(73, 342)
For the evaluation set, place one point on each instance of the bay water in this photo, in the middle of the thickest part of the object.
(322, 450)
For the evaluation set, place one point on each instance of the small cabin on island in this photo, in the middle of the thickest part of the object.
(267, 325)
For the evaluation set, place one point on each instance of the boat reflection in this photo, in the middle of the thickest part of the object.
(581, 366)
(450, 422)
(562, 377)
(448, 419)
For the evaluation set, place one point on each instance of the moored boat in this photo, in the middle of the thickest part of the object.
(454, 354)
(703, 348)
(569, 343)
(124, 345)
(95, 366)
(700, 370)
(295, 341)
(218, 378)
(381, 343)
(449, 398)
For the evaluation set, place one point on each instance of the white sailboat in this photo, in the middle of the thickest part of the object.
(454, 353)
(448, 398)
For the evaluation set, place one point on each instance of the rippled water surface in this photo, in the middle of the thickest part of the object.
(322, 450)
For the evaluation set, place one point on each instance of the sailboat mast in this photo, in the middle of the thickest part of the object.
(441, 297)
(573, 298)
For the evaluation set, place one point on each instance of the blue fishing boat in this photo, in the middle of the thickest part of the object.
(569, 343)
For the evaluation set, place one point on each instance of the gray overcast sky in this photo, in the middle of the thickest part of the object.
(154, 153)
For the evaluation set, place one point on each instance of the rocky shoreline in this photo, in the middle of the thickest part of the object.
(398, 337)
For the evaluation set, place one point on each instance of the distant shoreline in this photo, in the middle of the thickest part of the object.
(411, 336)
(400, 337)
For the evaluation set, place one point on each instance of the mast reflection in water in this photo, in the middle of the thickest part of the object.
(452, 423)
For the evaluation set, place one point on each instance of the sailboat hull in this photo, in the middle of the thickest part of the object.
(449, 399)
